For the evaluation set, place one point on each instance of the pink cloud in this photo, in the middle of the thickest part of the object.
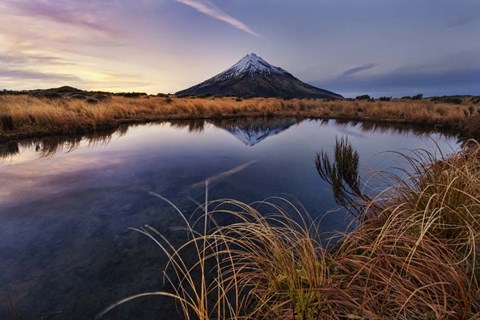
(77, 13)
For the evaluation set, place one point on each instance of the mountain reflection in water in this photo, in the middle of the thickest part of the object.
(250, 131)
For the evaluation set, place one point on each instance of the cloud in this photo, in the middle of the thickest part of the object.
(207, 8)
(35, 75)
(65, 13)
(409, 81)
(358, 69)
(16, 57)
(462, 21)
(451, 74)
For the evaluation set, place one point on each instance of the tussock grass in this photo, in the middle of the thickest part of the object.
(414, 254)
(24, 115)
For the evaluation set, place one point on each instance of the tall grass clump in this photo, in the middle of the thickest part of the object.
(419, 243)
(439, 199)
(341, 173)
(414, 253)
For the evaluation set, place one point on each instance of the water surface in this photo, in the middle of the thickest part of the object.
(66, 203)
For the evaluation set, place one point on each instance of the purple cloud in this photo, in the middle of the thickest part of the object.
(358, 69)
(66, 12)
(35, 75)
(17, 57)
(460, 21)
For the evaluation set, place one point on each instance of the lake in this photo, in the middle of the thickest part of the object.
(67, 203)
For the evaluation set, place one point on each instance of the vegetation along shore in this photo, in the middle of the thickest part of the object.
(68, 110)
(414, 253)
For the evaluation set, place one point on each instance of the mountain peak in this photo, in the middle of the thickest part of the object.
(252, 76)
(251, 63)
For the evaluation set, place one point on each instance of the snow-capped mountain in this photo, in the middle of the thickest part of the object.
(250, 64)
(252, 76)
(254, 131)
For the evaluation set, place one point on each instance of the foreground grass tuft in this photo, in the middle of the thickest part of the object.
(414, 254)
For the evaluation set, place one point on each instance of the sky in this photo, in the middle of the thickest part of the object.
(352, 47)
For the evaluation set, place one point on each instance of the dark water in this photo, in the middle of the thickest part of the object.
(66, 204)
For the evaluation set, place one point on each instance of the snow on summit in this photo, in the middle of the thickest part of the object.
(253, 64)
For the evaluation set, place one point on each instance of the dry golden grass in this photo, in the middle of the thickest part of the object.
(23, 115)
(414, 255)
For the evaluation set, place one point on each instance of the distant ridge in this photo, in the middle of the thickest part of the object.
(68, 92)
(252, 76)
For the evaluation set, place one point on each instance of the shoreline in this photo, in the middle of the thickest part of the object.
(38, 118)
(126, 122)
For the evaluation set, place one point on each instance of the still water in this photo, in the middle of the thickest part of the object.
(67, 203)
